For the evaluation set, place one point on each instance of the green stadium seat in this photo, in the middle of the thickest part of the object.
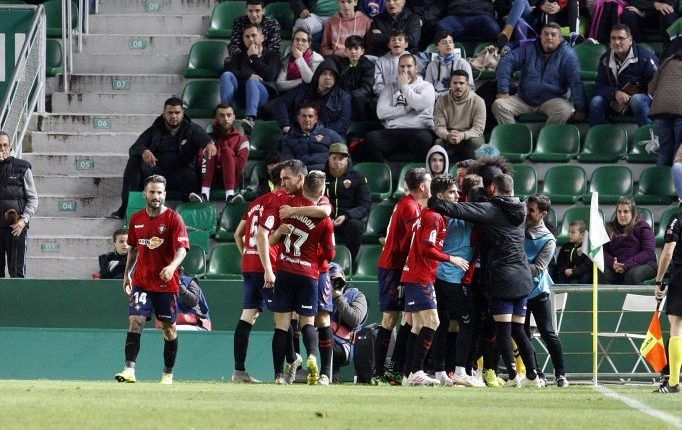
(589, 91)
(557, 143)
(53, 17)
(223, 17)
(525, 180)
(361, 128)
(515, 141)
(229, 220)
(206, 59)
(195, 261)
(366, 264)
(199, 216)
(551, 218)
(638, 152)
(251, 186)
(326, 7)
(136, 202)
(225, 262)
(565, 184)
(400, 189)
(344, 259)
(605, 143)
(612, 183)
(655, 186)
(663, 223)
(377, 222)
(53, 58)
(588, 55)
(644, 213)
(378, 178)
(199, 98)
(572, 214)
(281, 11)
(531, 117)
(264, 137)
(199, 238)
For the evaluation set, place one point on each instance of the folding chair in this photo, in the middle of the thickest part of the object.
(632, 303)
(558, 307)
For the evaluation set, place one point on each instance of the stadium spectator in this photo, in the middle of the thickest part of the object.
(440, 69)
(572, 265)
(647, 13)
(308, 140)
(429, 13)
(251, 74)
(311, 22)
(347, 22)
(231, 158)
(470, 20)
(623, 77)
(332, 103)
(462, 171)
(113, 264)
(386, 66)
(564, 12)
(395, 17)
(372, 8)
(630, 256)
(349, 193)
(193, 312)
(169, 148)
(158, 243)
(266, 182)
(666, 103)
(356, 77)
(299, 65)
(549, 68)
(405, 107)
(459, 118)
(606, 14)
(18, 204)
(255, 14)
(437, 161)
(540, 245)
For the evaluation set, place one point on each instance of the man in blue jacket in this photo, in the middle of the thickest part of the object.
(549, 68)
(623, 79)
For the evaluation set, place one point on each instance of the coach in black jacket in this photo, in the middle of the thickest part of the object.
(350, 196)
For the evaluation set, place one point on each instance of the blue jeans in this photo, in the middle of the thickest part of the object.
(639, 105)
(256, 92)
(481, 27)
(519, 9)
(669, 138)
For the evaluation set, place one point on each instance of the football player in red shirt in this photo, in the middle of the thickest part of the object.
(158, 243)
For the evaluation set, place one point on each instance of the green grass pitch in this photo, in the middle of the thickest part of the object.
(192, 405)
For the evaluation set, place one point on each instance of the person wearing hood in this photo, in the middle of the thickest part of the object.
(169, 148)
(347, 22)
(459, 118)
(440, 69)
(349, 194)
(540, 245)
(506, 275)
(332, 103)
(437, 162)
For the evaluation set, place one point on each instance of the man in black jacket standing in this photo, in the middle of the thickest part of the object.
(507, 278)
(350, 197)
(170, 148)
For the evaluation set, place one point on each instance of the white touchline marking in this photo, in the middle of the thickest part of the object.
(669, 419)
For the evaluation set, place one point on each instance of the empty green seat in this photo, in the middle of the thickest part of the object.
(225, 262)
(378, 178)
(326, 7)
(588, 55)
(605, 143)
(199, 238)
(525, 180)
(136, 202)
(400, 189)
(229, 220)
(344, 259)
(565, 184)
(655, 186)
(53, 17)
(281, 11)
(200, 216)
(377, 222)
(557, 143)
(200, 98)
(666, 217)
(195, 261)
(573, 214)
(223, 17)
(638, 153)
(206, 59)
(612, 183)
(53, 58)
(366, 264)
(515, 141)
(263, 138)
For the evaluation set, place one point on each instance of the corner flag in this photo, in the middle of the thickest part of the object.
(652, 348)
(597, 236)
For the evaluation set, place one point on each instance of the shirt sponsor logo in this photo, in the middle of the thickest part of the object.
(162, 228)
(183, 239)
(139, 225)
(306, 307)
(152, 243)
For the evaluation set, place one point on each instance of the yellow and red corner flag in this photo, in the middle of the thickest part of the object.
(653, 349)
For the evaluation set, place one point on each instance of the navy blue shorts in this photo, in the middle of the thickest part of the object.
(255, 295)
(504, 306)
(419, 297)
(165, 305)
(325, 293)
(294, 293)
(389, 290)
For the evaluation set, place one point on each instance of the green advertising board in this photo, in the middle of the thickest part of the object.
(14, 24)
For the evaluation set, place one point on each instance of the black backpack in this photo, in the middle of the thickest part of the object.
(363, 358)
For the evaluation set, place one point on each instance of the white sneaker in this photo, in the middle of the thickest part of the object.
(516, 382)
(467, 381)
(323, 380)
(421, 378)
(196, 197)
(532, 383)
(243, 376)
(444, 379)
(167, 379)
(290, 369)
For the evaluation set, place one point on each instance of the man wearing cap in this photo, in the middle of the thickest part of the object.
(350, 197)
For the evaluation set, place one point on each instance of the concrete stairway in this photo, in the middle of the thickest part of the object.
(131, 62)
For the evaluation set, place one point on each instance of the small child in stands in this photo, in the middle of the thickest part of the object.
(572, 265)
(113, 264)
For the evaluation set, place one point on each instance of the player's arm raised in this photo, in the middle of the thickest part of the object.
(239, 235)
